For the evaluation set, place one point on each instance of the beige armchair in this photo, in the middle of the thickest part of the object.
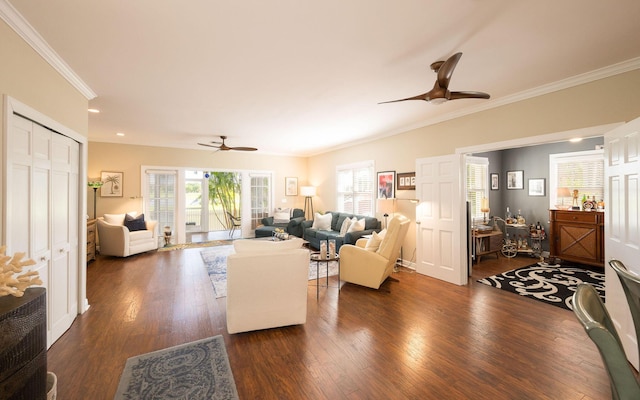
(266, 284)
(371, 268)
(115, 239)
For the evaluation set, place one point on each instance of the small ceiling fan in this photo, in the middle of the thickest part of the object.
(440, 92)
(221, 146)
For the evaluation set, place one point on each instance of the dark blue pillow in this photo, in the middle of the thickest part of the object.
(135, 223)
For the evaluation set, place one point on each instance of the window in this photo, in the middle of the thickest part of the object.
(260, 198)
(477, 184)
(161, 198)
(355, 188)
(582, 171)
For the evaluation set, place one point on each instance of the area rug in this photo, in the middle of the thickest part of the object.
(196, 370)
(552, 284)
(182, 246)
(215, 261)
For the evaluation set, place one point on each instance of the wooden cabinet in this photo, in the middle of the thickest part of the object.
(486, 243)
(91, 240)
(577, 236)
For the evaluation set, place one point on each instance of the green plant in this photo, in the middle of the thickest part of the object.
(224, 191)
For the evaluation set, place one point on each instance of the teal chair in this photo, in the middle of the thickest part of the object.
(631, 287)
(596, 321)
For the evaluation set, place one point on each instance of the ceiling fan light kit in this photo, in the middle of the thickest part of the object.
(221, 146)
(440, 91)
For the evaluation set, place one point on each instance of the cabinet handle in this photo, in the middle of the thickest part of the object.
(43, 258)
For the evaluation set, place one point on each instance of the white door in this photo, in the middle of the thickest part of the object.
(441, 246)
(63, 279)
(42, 219)
(622, 224)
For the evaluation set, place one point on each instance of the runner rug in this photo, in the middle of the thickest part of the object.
(215, 261)
(196, 370)
(552, 284)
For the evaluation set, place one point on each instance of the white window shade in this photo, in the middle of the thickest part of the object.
(582, 171)
(355, 188)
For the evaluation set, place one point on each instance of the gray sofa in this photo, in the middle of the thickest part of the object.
(293, 227)
(315, 236)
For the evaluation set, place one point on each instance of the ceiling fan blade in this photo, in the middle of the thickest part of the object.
(468, 95)
(242, 148)
(422, 96)
(446, 70)
(209, 145)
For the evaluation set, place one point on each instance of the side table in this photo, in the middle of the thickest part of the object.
(315, 256)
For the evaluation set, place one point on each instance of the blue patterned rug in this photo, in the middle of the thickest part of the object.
(215, 260)
(196, 370)
(552, 284)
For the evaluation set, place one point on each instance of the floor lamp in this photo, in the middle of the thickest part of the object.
(95, 185)
(386, 206)
(308, 192)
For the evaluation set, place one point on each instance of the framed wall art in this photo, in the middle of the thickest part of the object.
(290, 186)
(515, 180)
(495, 182)
(386, 184)
(111, 184)
(537, 187)
(407, 181)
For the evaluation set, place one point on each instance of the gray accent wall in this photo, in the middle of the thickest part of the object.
(534, 161)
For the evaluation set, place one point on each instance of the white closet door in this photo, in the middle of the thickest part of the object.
(42, 219)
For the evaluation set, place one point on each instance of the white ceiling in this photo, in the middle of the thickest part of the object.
(302, 77)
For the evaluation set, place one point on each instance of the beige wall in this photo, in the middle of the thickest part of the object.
(614, 99)
(25, 76)
(129, 159)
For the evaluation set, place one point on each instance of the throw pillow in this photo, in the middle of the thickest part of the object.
(374, 241)
(322, 222)
(281, 216)
(114, 219)
(135, 223)
(357, 225)
(345, 226)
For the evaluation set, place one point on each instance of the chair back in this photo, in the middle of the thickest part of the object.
(631, 286)
(596, 321)
(393, 239)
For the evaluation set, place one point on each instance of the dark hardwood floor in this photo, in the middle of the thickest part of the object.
(418, 338)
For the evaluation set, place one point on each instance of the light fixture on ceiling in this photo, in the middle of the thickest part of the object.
(119, 134)
(575, 140)
(94, 110)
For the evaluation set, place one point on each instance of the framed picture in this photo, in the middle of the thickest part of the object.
(111, 184)
(290, 186)
(407, 181)
(495, 181)
(537, 187)
(515, 180)
(386, 184)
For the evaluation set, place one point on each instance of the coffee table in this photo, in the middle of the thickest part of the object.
(315, 256)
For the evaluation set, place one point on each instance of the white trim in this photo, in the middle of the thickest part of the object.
(22, 27)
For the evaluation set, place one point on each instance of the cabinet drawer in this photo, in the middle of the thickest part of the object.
(588, 217)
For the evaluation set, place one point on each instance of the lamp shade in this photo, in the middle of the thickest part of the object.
(564, 192)
(386, 206)
(308, 191)
(484, 205)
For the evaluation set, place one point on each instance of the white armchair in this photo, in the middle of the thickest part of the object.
(371, 267)
(266, 285)
(115, 239)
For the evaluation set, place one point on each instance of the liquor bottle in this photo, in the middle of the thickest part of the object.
(507, 216)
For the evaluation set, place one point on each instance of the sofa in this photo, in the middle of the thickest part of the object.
(288, 220)
(123, 235)
(266, 284)
(314, 236)
(370, 261)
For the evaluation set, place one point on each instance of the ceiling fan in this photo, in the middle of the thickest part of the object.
(440, 92)
(221, 146)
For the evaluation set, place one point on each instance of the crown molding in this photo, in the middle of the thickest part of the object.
(22, 27)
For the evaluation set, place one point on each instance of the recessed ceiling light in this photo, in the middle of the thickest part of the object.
(94, 110)
(119, 134)
(575, 140)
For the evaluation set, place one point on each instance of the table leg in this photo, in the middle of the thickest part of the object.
(318, 280)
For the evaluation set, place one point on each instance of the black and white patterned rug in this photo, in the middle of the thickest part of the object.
(552, 284)
(196, 370)
(215, 260)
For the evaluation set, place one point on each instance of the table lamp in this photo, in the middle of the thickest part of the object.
(484, 208)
